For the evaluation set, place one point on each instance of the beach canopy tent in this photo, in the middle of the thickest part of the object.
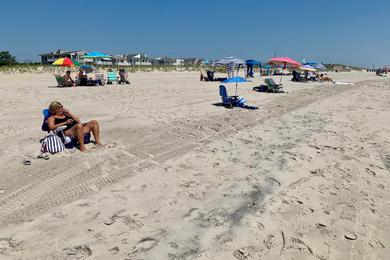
(250, 64)
(285, 62)
(232, 63)
(235, 80)
(229, 60)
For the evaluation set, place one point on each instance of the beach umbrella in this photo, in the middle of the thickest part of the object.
(308, 68)
(87, 68)
(316, 65)
(286, 62)
(235, 80)
(66, 62)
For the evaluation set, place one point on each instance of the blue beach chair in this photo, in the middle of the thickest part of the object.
(230, 101)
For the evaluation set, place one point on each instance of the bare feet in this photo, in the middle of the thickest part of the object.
(82, 148)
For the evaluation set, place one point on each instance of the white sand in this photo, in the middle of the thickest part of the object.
(304, 177)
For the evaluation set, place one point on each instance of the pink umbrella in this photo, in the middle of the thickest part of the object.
(285, 61)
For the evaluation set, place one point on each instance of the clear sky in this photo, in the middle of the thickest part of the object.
(353, 32)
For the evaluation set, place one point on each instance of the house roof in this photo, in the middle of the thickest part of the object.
(60, 51)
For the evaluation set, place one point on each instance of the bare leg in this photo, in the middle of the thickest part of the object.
(77, 131)
(93, 126)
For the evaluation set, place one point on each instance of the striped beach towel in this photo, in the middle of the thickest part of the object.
(52, 144)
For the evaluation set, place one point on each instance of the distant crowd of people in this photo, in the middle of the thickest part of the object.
(82, 79)
(382, 71)
(310, 76)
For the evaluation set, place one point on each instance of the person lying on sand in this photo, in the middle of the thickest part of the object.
(323, 77)
(68, 81)
(63, 117)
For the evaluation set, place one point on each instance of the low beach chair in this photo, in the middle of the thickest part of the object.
(60, 80)
(69, 142)
(111, 77)
(100, 78)
(272, 86)
(230, 101)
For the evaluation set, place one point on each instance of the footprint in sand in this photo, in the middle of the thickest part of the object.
(192, 214)
(143, 245)
(114, 250)
(8, 245)
(78, 252)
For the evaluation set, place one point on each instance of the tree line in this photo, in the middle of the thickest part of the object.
(7, 59)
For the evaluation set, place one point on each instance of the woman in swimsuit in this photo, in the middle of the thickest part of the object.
(63, 117)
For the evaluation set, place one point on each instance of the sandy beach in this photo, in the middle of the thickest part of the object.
(305, 176)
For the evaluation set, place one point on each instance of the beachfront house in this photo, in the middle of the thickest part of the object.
(120, 60)
(163, 61)
(178, 62)
(49, 58)
(139, 59)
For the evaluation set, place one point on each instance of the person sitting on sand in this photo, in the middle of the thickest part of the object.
(123, 77)
(323, 77)
(68, 81)
(63, 117)
(83, 78)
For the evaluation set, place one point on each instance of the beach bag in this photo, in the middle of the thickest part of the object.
(52, 144)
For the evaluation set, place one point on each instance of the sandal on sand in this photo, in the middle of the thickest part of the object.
(43, 156)
(26, 162)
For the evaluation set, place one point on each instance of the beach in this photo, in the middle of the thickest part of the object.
(305, 176)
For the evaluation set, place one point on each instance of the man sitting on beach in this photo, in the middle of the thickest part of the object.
(63, 117)
(83, 78)
(68, 81)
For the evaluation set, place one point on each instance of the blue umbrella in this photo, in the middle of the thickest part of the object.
(87, 68)
(316, 65)
(235, 80)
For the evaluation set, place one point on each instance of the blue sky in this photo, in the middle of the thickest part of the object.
(333, 31)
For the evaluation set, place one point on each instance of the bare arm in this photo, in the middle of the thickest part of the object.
(73, 116)
(52, 125)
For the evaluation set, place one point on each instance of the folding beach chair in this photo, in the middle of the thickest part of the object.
(272, 86)
(60, 80)
(111, 77)
(100, 78)
(230, 101)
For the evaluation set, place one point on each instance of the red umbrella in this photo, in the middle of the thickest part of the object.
(66, 62)
(286, 62)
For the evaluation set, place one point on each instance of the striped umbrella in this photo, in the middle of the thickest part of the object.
(66, 62)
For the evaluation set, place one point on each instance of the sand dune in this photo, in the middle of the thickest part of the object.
(305, 176)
